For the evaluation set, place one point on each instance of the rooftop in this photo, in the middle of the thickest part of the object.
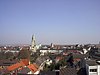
(48, 73)
(91, 62)
(68, 71)
(7, 62)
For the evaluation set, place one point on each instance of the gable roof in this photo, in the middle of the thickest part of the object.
(14, 67)
(25, 62)
(33, 67)
(68, 71)
(22, 63)
(24, 71)
(23, 67)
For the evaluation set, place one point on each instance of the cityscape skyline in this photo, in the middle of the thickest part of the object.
(54, 21)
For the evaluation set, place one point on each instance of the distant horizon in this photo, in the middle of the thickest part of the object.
(52, 21)
(26, 44)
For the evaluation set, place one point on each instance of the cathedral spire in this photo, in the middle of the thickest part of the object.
(33, 37)
(33, 44)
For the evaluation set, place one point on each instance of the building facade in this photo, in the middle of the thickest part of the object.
(92, 68)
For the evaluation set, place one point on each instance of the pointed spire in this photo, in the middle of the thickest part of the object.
(33, 37)
(33, 43)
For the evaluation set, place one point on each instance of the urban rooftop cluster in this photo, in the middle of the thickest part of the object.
(50, 59)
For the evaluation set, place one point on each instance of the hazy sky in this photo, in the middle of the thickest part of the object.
(56, 21)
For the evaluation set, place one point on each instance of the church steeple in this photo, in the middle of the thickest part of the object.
(33, 39)
(33, 44)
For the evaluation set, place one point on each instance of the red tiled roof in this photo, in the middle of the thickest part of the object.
(25, 61)
(22, 63)
(32, 67)
(13, 67)
(77, 59)
(59, 58)
(36, 66)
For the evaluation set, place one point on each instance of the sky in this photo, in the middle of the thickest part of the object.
(51, 21)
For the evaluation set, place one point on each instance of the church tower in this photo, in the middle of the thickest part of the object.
(33, 44)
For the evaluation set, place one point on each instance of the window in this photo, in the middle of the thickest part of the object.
(93, 70)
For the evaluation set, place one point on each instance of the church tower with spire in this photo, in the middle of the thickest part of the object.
(33, 44)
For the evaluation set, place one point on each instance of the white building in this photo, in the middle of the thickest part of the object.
(43, 52)
(92, 67)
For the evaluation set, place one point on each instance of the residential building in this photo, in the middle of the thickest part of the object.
(92, 67)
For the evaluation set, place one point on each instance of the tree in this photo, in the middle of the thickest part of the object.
(24, 54)
(70, 60)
